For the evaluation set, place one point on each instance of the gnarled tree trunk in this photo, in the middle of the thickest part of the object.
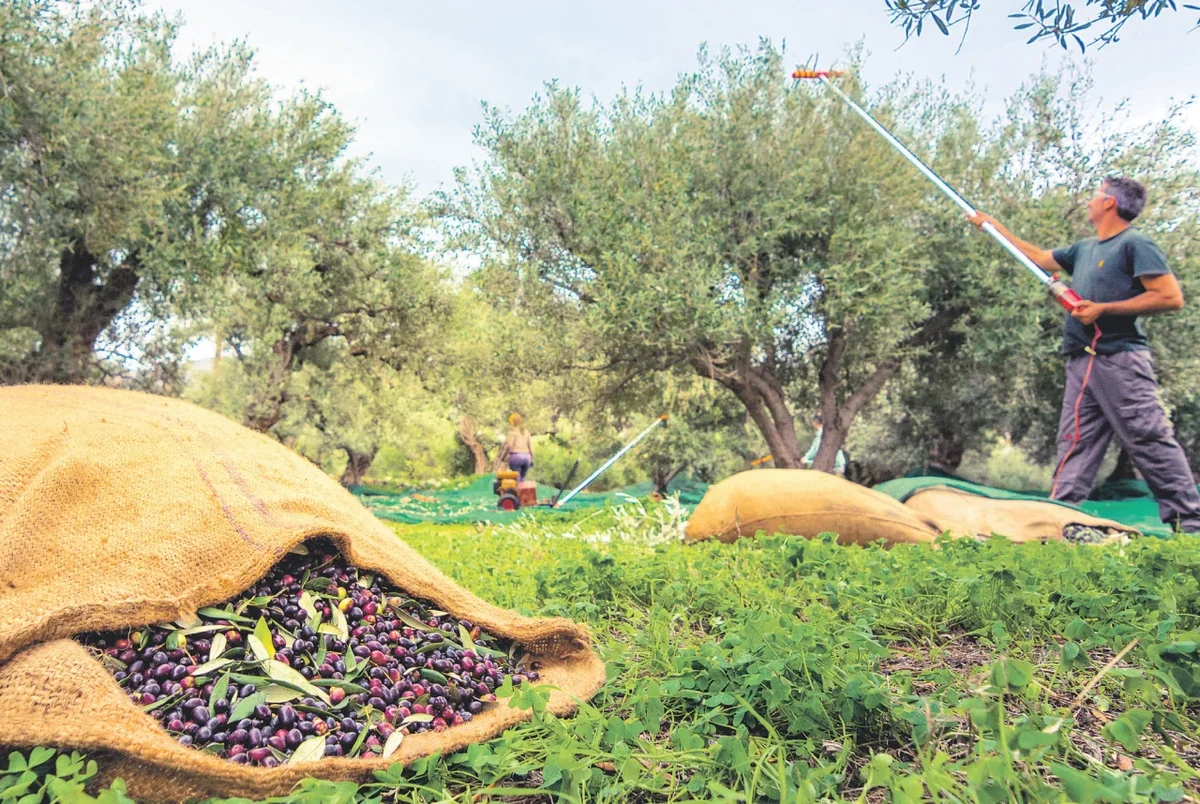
(662, 477)
(946, 454)
(470, 439)
(86, 304)
(839, 408)
(356, 467)
(766, 404)
(266, 411)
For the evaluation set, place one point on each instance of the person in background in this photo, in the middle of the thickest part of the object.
(517, 449)
(839, 463)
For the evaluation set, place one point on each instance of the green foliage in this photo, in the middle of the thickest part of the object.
(1000, 372)
(726, 229)
(136, 180)
(322, 329)
(780, 669)
(1006, 466)
(1084, 23)
(152, 197)
(554, 461)
(705, 436)
(590, 443)
(32, 779)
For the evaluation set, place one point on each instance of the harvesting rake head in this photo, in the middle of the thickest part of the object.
(800, 74)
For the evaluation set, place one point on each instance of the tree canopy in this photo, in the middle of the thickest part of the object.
(740, 252)
(749, 230)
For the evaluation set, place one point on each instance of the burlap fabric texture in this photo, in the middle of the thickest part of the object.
(120, 509)
(1018, 520)
(805, 503)
(801, 502)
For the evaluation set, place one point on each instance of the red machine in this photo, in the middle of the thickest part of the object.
(513, 493)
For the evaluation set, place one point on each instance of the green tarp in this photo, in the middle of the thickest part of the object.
(475, 502)
(1128, 502)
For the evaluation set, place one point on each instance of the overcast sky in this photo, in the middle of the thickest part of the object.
(412, 75)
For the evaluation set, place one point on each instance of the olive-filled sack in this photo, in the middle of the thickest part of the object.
(120, 509)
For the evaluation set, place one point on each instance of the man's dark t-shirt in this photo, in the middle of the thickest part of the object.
(1109, 271)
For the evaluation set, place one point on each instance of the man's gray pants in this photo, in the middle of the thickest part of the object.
(1122, 397)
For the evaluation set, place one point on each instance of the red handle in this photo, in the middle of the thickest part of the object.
(1064, 295)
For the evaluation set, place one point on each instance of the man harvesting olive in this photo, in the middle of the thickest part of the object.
(1111, 385)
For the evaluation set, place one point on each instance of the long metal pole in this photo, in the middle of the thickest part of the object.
(950, 192)
(612, 460)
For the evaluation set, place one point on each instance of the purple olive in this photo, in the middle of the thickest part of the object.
(152, 673)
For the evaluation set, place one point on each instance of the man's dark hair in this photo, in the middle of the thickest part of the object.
(1130, 195)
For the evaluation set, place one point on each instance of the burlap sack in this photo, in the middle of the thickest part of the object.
(966, 514)
(804, 503)
(120, 509)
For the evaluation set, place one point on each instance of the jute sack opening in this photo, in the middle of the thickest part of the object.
(801, 502)
(963, 513)
(120, 509)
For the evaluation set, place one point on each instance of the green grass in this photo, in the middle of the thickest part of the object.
(789, 670)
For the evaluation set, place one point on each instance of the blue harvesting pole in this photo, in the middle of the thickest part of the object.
(612, 460)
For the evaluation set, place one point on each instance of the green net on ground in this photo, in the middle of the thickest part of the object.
(476, 502)
(1129, 502)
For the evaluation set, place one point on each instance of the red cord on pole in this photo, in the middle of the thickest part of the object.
(1087, 375)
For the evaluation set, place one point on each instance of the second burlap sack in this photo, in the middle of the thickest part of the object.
(964, 513)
